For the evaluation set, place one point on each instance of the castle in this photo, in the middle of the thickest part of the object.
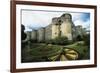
(60, 26)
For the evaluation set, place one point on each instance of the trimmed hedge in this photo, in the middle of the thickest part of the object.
(59, 41)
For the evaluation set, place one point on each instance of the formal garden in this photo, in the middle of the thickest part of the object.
(58, 49)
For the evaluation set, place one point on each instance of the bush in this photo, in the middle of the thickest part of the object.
(33, 41)
(86, 39)
(79, 38)
(49, 41)
(58, 41)
(61, 40)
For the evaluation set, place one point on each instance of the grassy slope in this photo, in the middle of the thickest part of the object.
(81, 48)
(38, 52)
(45, 50)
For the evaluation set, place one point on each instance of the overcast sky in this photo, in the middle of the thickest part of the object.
(37, 19)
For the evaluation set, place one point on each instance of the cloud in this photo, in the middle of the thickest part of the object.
(85, 24)
(82, 19)
(37, 19)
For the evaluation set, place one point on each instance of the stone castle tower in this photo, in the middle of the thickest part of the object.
(60, 26)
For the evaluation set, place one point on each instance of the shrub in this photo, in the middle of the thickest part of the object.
(86, 39)
(49, 41)
(33, 41)
(79, 38)
(60, 41)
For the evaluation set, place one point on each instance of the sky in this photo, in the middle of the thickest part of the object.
(32, 19)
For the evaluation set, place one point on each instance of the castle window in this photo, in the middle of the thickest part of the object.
(60, 21)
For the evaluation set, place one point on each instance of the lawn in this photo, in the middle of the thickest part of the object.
(83, 50)
(40, 52)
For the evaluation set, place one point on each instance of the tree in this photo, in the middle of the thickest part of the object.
(86, 39)
(23, 35)
(79, 38)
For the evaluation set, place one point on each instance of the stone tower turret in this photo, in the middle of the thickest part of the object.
(66, 26)
(62, 26)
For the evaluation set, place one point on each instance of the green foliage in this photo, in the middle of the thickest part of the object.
(23, 35)
(49, 41)
(79, 38)
(82, 49)
(86, 39)
(44, 50)
(59, 41)
(33, 41)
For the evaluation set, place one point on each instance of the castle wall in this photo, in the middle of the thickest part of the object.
(48, 32)
(66, 30)
(80, 31)
(41, 35)
(55, 31)
(66, 26)
(74, 33)
(60, 26)
(34, 35)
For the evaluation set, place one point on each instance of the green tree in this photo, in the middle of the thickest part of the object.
(86, 39)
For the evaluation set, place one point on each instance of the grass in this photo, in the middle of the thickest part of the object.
(40, 52)
(45, 50)
(81, 48)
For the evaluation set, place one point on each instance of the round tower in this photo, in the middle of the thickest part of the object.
(66, 26)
